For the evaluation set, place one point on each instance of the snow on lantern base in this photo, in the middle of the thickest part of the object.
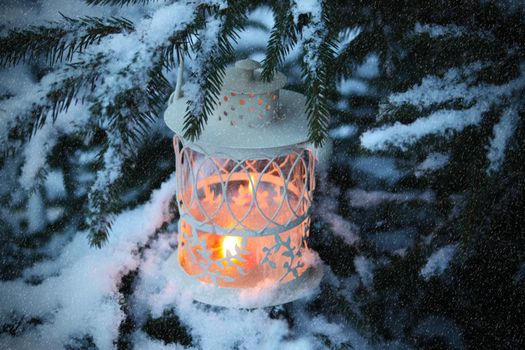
(244, 193)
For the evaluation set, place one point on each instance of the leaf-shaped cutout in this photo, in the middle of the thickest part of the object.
(226, 278)
(288, 253)
(213, 279)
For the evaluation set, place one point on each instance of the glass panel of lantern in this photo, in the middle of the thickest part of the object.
(243, 221)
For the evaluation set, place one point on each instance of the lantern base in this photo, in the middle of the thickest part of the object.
(245, 298)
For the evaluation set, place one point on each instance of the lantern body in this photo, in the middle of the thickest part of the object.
(244, 211)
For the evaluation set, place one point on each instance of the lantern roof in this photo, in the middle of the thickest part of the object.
(252, 117)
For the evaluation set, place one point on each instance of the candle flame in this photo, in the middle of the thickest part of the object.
(230, 244)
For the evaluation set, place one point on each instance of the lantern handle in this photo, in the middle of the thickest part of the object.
(180, 72)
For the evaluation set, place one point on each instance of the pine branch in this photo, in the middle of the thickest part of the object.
(211, 56)
(100, 216)
(359, 49)
(61, 41)
(58, 99)
(129, 119)
(104, 194)
(63, 93)
(180, 42)
(319, 50)
(158, 89)
(283, 37)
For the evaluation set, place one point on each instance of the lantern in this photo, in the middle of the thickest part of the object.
(244, 192)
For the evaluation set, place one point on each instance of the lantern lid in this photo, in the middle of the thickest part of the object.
(251, 118)
(245, 78)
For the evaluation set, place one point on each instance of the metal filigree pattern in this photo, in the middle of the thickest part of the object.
(243, 221)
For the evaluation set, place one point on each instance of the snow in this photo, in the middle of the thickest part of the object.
(364, 268)
(45, 138)
(208, 38)
(456, 85)
(381, 168)
(167, 20)
(403, 135)
(442, 327)
(327, 209)
(135, 51)
(36, 153)
(350, 86)
(433, 90)
(35, 213)
(54, 185)
(342, 105)
(124, 52)
(54, 213)
(344, 131)
(502, 132)
(436, 30)
(345, 38)
(438, 262)
(143, 342)
(252, 38)
(394, 241)
(25, 91)
(433, 162)
(312, 35)
(257, 56)
(360, 198)
(81, 297)
(307, 6)
(262, 15)
(369, 69)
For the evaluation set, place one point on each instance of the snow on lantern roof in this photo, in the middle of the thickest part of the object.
(252, 117)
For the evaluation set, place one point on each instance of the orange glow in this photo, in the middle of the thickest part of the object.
(231, 244)
(251, 199)
(256, 195)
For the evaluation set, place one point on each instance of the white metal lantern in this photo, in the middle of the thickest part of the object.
(244, 192)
